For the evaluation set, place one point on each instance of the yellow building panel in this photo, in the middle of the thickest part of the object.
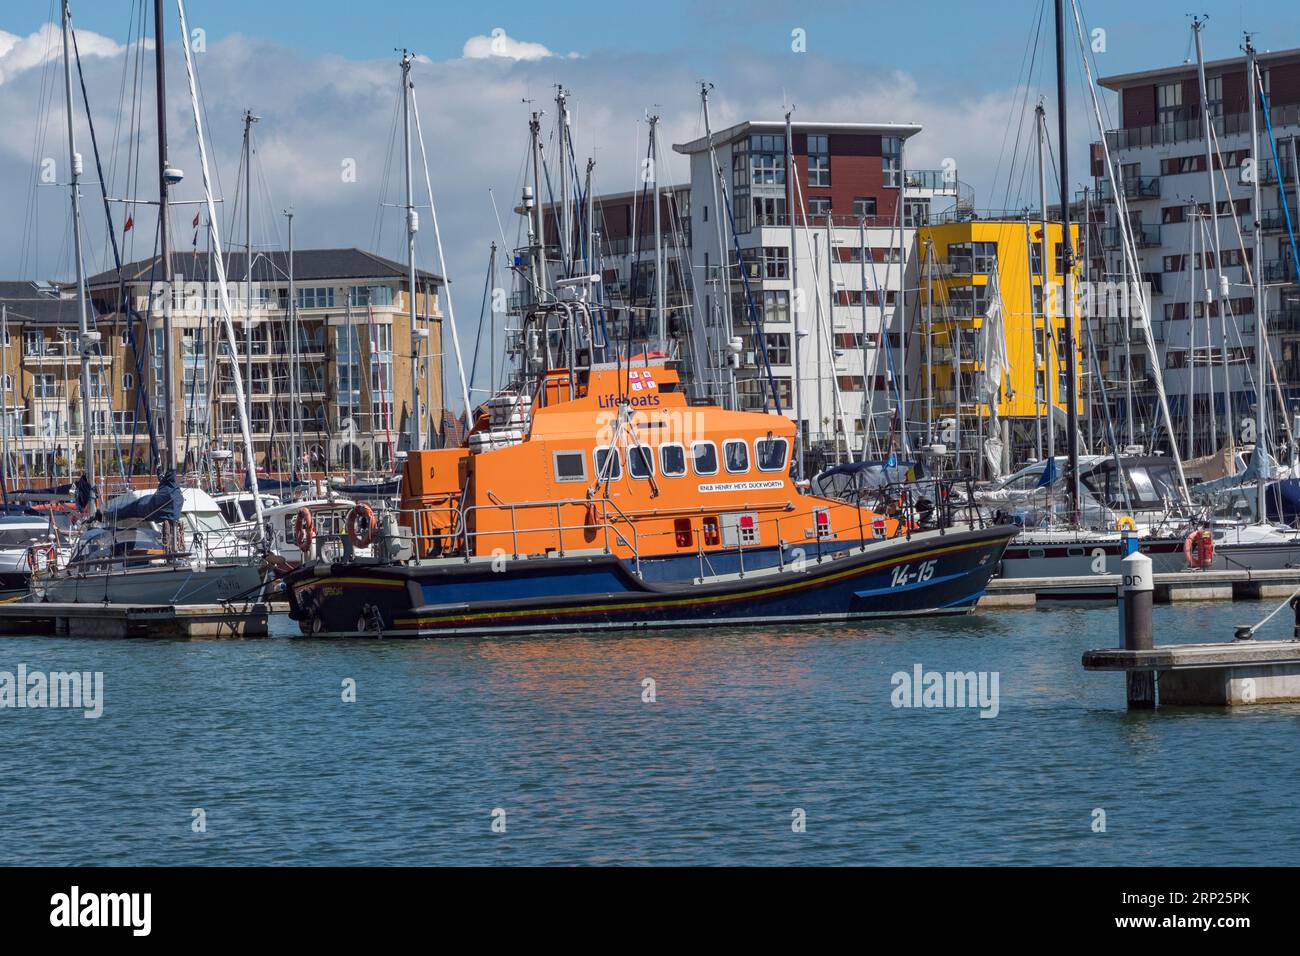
(965, 256)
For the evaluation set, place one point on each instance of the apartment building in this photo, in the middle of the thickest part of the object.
(336, 395)
(1159, 152)
(966, 259)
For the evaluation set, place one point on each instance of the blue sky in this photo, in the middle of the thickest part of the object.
(941, 41)
(323, 76)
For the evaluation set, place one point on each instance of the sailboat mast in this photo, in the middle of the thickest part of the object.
(412, 227)
(565, 228)
(249, 120)
(1046, 343)
(1067, 267)
(796, 310)
(659, 243)
(539, 223)
(1198, 24)
(1262, 457)
(83, 340)
(724, 256)
(293, 359)
(166, 176)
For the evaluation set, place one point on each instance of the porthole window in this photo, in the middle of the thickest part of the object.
(609, 466)
(640, 461)
(770, 454)
(704, 458)
(672, 461)
(735, 453)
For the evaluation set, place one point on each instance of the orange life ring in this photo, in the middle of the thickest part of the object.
(1198, 549)
(358, 539)
(304, 530)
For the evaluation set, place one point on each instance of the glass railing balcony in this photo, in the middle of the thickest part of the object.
(1133, 187)
(1144, 236)
(1279, 270)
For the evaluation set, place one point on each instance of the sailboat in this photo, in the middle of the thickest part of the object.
(171, 546)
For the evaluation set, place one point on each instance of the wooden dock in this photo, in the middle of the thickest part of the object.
(1170, 588)
(135, 620)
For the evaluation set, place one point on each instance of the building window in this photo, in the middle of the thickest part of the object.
(864, 207)
(363, 295)
(776, 306)
(1169, 102)
(819, 160)
(891, 160)
(819, 207)
(1214, 95)
(778, 348)
(767, 159)
(7, 383)
(33, 343)
(776, 262)
(316, 298)
(916, 213)
(769, 211)
(739, 167)
(128, 381)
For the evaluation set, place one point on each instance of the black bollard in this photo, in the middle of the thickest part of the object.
(1137, 594)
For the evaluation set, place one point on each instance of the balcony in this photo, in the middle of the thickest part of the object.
(1135, 187)
(1268, 171)
(1279, 270)
(935, 182)
(1272, 220)
(1284, 321)
(1190, 129)
(1144, 236)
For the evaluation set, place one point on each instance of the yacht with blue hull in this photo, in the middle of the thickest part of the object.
(601, 498)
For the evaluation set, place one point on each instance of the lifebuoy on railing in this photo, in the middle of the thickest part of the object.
(304, 531)
(1125, 523)
(1198, 549)
(361, 525)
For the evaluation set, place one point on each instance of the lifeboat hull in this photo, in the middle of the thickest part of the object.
(928, 573)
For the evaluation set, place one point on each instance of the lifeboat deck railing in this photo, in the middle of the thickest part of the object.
(459, 536)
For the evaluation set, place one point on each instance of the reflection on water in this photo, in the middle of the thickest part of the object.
(745, 726)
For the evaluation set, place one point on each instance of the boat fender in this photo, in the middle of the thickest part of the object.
(304, 531)
(361, 525)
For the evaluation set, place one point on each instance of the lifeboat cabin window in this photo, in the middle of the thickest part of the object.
(770, 454)
(672, 461)
(607, 458)
(736, 454)
(570, 466)
(704, 457)
(640, 461)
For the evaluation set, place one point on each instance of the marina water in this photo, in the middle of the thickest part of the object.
(243, 752)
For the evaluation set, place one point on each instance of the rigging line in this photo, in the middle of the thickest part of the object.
(123, 294)
(442, 265)
(28, 263)
(1031, 44)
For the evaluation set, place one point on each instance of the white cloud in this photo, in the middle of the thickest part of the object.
(18, 54)
(322, 111)
(501, 44)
